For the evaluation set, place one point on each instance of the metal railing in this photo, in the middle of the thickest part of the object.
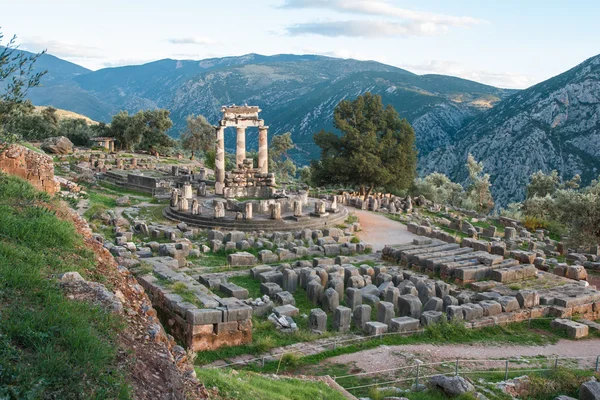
(419, 371)
(335, 343)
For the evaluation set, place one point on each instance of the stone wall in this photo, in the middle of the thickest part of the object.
(37, 168)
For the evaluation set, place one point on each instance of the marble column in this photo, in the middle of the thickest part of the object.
(240, 150)
(263, 149)
(220, 160)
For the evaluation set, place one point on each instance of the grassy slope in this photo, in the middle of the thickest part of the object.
(50, 347)
(245, 385)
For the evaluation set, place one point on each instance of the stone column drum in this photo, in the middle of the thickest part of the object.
(263, 149)
(240, 151)
(220, 160)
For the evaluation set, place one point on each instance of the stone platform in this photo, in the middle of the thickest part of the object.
(287, 223)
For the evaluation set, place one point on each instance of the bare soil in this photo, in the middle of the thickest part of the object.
(386, 357)
(380, 230)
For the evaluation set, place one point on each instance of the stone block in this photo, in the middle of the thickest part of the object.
(455, 313)
(375, 328)
(317, 320)
(290, 280)
(409, 306)
(314, 292)
(405, 324)
(331, 300)
(270, 288)
(341, 319)
(449, 301)
(431, 317)
(234, 290)
(204, 316)
(575, 330)
(509, 303)
(472, 311)
(287, 310)
(434, 304)
(271, 276)
(490, 308)
(241, 259)
(528, 298)
(361, 315)
(353, 298)
(284, 298)
(385, 312)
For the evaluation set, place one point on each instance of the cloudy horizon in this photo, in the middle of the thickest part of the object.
(487, 43)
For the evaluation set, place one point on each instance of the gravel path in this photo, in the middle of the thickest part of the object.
(380, 230)
(385, 357)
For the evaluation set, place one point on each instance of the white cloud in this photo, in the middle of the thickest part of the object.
(397, 22)
(498, 79)
(365, 28)
(61, 49)
(192, 40)
(382, 8)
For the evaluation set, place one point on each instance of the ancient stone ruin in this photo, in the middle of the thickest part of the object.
(37, 168)
(242, 117)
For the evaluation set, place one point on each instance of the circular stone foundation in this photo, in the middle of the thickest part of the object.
(261, 218)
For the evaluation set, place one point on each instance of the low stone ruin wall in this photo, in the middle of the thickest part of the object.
(190, 311)
(466, 267)
(37, 168)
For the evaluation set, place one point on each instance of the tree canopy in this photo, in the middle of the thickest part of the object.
(144, 130)
(198, 135)
(17, 75)
(376, 148)
(478, 192)
(280, 162)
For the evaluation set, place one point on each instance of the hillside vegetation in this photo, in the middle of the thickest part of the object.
(50, 346)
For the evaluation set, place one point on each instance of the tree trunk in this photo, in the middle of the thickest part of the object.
(368, 192)
(192, 156)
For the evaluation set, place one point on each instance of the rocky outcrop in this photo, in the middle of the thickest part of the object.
(37, 168)
(57, 145)
(552, 125)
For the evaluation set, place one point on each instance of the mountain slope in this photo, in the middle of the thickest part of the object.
(552, 125)
(297, 93)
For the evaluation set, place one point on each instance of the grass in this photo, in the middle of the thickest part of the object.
(244, 385)
(50, 347)
(252, 285)
(446, 332)
(121, 191)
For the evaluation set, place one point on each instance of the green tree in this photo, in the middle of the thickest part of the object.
(199, 135)
(145, 130)
(17, 75)
(440, 189)
(479, 190)
(279, 160)
(376, 148)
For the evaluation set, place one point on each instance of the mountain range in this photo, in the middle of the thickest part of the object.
(552, 125)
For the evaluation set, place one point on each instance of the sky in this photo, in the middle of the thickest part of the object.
(507, 43)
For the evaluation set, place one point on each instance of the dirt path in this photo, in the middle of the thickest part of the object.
(385, 357)
(380, 230)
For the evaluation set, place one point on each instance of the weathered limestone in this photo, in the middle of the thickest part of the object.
(331, 300)
(405, 324)
(220, 160)
(290, 280)
(409, 306)
(275, 210)
(375, 328)
(219, 210)
(361, 315)
(263, 150)
(317, 320)
(575, 330)
(240, 150)
(385, 312)
(353, 298)
(341, 319)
